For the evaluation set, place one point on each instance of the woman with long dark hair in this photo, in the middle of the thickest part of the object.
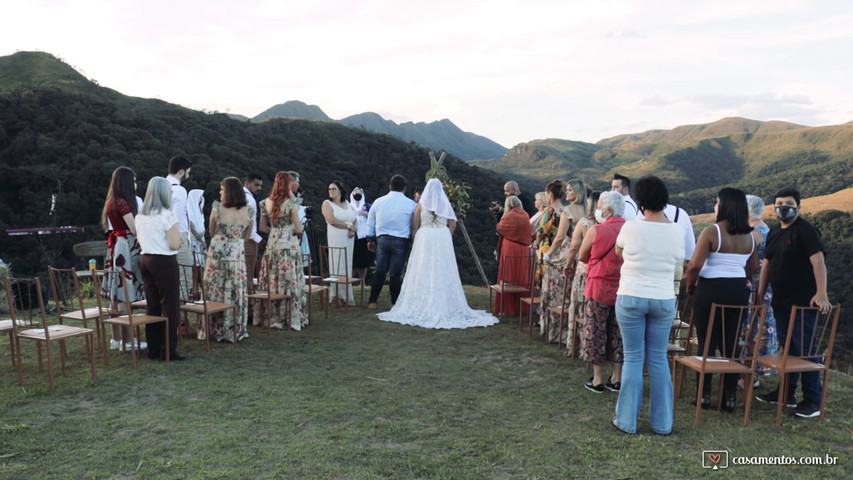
(280, 214)
(724, 258)
(117, 218)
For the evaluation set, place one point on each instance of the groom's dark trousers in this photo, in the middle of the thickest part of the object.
(390, 258)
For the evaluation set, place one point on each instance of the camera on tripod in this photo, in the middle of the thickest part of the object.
(308, 213)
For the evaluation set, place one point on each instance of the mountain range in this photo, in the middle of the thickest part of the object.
(438, 135)
(696, 160)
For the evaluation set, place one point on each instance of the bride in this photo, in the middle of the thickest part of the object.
(432, 296)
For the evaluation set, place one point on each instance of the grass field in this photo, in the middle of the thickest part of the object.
(352, 397)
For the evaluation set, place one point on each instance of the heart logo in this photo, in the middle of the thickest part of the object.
(714, 458)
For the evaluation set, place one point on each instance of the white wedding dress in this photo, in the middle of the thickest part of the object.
(432, 295)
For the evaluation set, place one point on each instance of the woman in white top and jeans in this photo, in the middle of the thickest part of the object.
(725, 257)
(158, 236)
(652, 250)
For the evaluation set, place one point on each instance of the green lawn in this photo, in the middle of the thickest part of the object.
(352, 397)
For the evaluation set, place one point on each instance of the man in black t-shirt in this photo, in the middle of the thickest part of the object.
(794, 267)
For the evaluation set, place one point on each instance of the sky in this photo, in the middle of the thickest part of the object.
(512, 71)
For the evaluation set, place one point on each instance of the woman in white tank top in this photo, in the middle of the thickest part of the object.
(725, 257)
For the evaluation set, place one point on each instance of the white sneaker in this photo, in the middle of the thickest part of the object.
(115, 344)
(139, 346)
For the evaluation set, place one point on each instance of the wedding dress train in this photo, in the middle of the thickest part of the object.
(432, 295)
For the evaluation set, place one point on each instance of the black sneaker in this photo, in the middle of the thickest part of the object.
(807, 409)
(594, 388)
(612, 386)
(773, 398)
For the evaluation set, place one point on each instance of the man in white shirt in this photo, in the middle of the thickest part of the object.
(251, 187)
(389, 226)
(179, 172)
(622, 184)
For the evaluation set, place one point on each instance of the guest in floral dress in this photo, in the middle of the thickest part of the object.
(549, 221)
(225, 269)
(280, 214)
(768, 337)
(576, 305)
(554, 280)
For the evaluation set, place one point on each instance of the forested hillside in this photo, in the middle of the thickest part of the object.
(65, 137)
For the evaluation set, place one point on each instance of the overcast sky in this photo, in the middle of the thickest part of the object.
(512, 71)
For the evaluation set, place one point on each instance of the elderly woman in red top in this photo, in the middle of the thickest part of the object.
(515, 233)
(600, 339)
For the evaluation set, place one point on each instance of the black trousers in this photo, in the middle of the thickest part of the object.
(161, 279)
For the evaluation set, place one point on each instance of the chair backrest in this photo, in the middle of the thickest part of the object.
(732, 319)
(814, 331)
(333, 262)
(202, 285)
(533, 264)
(273, 261)
(189, 282)
(26, 304)
(515, 270)
(66, 290)
(105, 277)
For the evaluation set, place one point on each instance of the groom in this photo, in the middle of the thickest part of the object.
(389, 225)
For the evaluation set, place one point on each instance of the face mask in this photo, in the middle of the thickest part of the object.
(599, 216)
(786, 213)
(299, 200)
(357, 197)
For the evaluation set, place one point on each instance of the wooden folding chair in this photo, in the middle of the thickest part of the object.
(562, 310)
(682, 331)
(514, 280)
(337, 271)
(533, 298)
(733, 362)
(268, 292)
(311, 288)
(26, 306)
(68, 298)
(816, 338)
(200, 303)
(132, 321)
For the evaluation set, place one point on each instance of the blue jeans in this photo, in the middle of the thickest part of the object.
(645, 325)
(390, 258)
(812, 387)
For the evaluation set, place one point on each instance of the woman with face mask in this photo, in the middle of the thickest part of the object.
(362, 258)
(600, 338)
(725, 256)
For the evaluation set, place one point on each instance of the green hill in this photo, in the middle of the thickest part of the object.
(65, 137)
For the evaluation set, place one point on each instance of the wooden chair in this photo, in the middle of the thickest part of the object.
(729, 316)
(816, 343)
(68, 298)
(197, 300)
(311, 288)
(563, 310)
(265, 294)
(682, 331)
(132, 321)
(337, 271)
(511, 282)
(6, 326)
(532, 300)
(26, 306)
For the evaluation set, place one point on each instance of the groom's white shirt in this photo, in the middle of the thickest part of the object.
(391, 215)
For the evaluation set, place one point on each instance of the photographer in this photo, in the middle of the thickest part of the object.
(510, 189)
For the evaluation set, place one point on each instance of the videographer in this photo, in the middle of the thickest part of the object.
(511, 188)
